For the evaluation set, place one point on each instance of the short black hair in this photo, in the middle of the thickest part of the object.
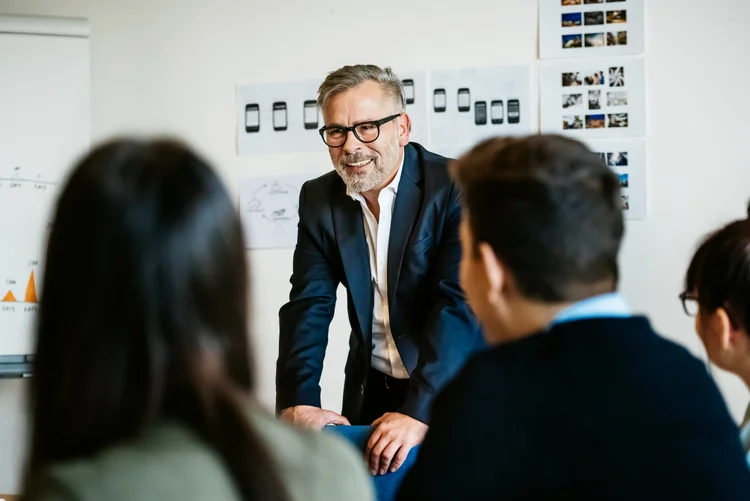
(719, 272)
(550, 210)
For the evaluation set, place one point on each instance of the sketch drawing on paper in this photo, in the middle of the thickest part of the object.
(276, 202)
(269, 210)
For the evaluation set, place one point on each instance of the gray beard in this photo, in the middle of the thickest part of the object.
(359, 182)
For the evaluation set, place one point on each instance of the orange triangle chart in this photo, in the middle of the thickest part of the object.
(31, 290)
(9, 297)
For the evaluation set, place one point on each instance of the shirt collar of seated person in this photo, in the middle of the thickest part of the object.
(717, 294)
(531, 252)
(366, 129)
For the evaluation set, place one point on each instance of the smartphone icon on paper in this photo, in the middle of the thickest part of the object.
(480, 113)
(279, 115)
(514, 111)
(408, 90)
(439, 100)
(497, 111)
(252, 118)
(310, 114)
(464, 99)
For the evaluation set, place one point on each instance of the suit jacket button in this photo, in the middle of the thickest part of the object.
(361, 389)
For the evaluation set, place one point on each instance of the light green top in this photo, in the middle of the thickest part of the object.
(169, 463)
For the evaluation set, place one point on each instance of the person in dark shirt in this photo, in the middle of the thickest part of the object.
(575, 398)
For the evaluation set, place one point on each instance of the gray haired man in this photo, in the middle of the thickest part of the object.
(385, 225)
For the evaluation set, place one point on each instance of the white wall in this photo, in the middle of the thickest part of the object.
(171, 66)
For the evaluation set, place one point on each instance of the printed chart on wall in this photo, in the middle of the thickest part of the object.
(586, 28)
(44, 128)
(605, 98)
(282, 117)
(26, 199)
(627, 157)
(269, 210)
(469, 105)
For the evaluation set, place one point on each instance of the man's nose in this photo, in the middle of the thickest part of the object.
(352, 143)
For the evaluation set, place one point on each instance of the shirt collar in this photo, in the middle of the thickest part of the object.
(601, 306)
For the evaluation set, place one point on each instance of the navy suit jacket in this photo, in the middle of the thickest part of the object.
(433, 327)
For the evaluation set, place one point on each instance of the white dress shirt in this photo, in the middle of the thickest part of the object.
(385, 356)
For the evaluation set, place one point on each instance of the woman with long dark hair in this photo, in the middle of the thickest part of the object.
(143, 388)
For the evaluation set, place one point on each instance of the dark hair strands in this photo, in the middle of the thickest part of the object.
(719, 271)
(144, 314)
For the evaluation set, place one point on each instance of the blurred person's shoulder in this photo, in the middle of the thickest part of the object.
(317, 466)
(171, 463)
(167, 463)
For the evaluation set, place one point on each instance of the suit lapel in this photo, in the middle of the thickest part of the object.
(350, 237)
(405, 211)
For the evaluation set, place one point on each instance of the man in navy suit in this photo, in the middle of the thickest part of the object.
(385, 224)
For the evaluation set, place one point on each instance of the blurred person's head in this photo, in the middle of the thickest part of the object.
(143, 316)
(542, 228)
(366, 125)
(717, 293)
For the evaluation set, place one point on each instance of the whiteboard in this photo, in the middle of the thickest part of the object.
(44, 127)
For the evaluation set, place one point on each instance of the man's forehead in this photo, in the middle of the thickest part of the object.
(356, 105)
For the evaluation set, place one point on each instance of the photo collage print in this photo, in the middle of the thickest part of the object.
(595, 100)
(594, 28)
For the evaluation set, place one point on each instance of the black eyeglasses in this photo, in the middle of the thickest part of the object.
(365, 132)
(689, 303)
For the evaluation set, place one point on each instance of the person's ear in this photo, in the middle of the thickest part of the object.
(731, 338)
(712, 331)
(404, 129)
(494, 272)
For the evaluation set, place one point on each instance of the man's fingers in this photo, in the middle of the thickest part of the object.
(288, 415)
(374, 462)
(379, 420)
(371, 443)
(333, 418)
(307, 416)
(403, 452)
(387, 456)
(375, 458)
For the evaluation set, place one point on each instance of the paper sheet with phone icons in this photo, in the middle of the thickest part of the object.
(417, 104)
(469, 105)
(281, 117)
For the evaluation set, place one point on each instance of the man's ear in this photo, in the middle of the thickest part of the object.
(494, 272)
(404, 129)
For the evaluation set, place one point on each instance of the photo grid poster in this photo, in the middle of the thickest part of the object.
(603, 103)
(598, 99)
(627, 158)
(591, 28)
